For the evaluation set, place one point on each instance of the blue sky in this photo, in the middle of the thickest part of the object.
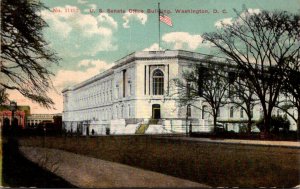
(90, 42)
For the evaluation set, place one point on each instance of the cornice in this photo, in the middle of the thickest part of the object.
(152, 55)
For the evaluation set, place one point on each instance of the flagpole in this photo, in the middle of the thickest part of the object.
(158, 26)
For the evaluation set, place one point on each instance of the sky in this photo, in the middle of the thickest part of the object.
(90, 35)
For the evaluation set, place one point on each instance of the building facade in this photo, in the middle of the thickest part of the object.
(6, 118)
(35, 119)
(24, 119)
(137, 91)
(20, 115)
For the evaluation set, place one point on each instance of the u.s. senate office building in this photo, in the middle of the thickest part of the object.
(136, 96)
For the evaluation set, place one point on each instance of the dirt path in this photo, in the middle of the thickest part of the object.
(87, 172)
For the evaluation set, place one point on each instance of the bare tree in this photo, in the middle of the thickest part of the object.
(260, 43)
(25, 55)
(291, 89)
(242, 96)
(207, 82)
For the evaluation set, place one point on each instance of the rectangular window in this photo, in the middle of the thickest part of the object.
(110, 95)
(189, 111)
(231, 77)
(200, 87)
(231, 91)
(231, 80)
(129, 110)
(118, 92)
(158, 86)
(188, 90)
(231, 112)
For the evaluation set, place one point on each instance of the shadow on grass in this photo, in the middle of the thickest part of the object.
(17, 171)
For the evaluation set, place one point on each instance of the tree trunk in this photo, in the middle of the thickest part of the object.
(215, 122)
(267, 121)
(249, 124)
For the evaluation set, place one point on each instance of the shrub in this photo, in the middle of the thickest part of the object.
(243, 128)
(278, 124)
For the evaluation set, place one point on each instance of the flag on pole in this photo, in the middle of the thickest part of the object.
(165, 19)
(162, 18)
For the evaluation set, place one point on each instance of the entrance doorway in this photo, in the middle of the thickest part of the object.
(156, 111)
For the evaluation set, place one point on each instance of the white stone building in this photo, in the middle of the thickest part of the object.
(137, 92)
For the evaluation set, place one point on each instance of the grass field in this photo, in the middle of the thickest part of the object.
(223, 165)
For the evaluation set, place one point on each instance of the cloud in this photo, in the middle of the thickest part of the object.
(183, 40)
(64, 78)
(153, 47)
(230, 21)
(82, 34)
(86, 69)
(247, 13)
(251, 12)
(104, 18)
(223, 22)
(82, 1)
(140, 17)
(90, 6)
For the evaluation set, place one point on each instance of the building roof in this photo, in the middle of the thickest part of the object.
(149, 55)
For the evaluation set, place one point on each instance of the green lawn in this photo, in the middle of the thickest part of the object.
(214, 164)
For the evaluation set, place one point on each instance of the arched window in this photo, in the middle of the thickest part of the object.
(231, 112)
(158, 82)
